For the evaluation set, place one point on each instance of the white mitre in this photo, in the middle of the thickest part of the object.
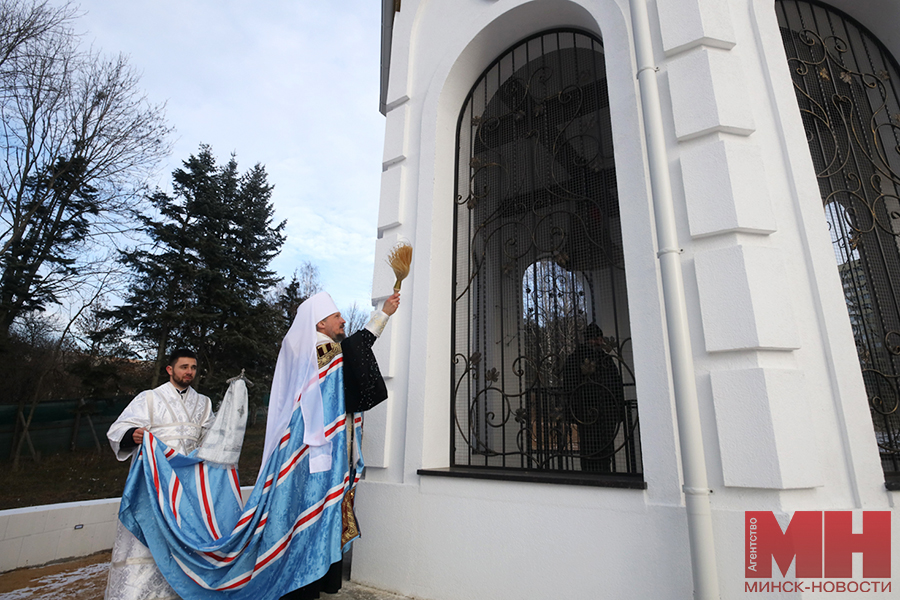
(297, 376)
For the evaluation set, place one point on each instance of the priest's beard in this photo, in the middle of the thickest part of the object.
(182, 382)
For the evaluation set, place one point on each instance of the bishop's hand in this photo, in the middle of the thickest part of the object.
(391, 304)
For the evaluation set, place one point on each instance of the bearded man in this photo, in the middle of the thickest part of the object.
(177, 415)
(319, 325)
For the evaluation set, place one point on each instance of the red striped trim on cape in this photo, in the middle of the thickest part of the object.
(175, 497)
(336, 363)
(205, 495)
(286, 469)
(266, 559)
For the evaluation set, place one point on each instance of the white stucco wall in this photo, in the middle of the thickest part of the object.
(784, 415)
(37, 535)
(40, 534)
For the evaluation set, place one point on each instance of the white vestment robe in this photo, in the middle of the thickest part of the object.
(179, 420)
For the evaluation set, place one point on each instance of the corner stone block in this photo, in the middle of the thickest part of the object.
(395, 136)
(725, 189)
(376, 441)
(390, 208)
(745, 300)
(765, 429)
(686, 24)
(708, 94)
(384, 349)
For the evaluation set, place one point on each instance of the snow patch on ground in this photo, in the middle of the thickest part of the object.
(83, 583)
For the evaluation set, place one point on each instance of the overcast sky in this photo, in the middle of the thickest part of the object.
(291, 84)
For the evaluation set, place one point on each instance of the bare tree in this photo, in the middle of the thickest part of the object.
(356, 318)
(52, 369)
(78, 140)
(23, 21)
(307, 277)
(303, 284)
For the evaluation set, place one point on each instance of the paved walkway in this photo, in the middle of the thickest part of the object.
(85, 579)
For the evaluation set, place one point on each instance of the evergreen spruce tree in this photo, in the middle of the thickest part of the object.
(203, 282)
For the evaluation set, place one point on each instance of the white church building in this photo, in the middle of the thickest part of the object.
(656, 284)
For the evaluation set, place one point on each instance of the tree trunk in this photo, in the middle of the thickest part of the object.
(94, 433)
(17, 431)
(17, 453)
(20, 435)
(75, 425)
(160, 357)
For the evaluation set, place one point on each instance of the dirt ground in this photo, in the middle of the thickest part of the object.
(80, 579)
(85, 579)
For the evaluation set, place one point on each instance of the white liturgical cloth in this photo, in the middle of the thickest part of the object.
(297, 377)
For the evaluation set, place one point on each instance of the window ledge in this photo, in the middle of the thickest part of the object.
(614, 481)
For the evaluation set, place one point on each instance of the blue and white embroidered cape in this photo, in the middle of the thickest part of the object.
(207, 544)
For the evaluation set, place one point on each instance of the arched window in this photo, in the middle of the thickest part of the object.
(542, 373)
(846, 84)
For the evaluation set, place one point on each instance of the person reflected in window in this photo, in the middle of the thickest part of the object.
(596, 400)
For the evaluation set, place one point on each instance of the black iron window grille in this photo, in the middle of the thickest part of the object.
(542, 373)
(846, 85)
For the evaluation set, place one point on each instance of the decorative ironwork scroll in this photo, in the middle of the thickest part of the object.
(542, 368)
(846, 85)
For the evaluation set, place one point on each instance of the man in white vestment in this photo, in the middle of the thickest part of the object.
(178, 416)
